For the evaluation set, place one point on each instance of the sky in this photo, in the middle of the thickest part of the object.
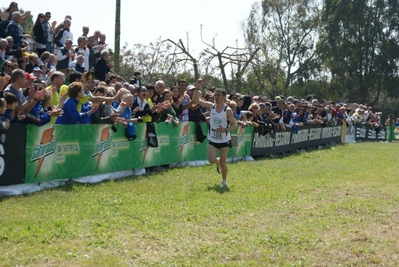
(148, 20)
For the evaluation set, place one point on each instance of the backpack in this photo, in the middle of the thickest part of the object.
(131, 131)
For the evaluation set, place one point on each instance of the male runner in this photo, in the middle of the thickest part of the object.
(221, 122)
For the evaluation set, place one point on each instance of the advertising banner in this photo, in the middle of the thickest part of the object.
(304, 136)
(365, 132)
(70, 151)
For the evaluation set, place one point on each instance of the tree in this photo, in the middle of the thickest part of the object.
(241, 58)
(265, 72)
(155, 60)
(359, 45)
(187, 55)
(291, 28)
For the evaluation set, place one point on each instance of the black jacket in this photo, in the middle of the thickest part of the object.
(39, 32)
(101, 69)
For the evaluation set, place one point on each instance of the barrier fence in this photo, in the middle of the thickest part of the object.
(31, 154)
(305, 136)
(54, 152)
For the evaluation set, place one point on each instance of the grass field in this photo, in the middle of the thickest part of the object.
(333, 207)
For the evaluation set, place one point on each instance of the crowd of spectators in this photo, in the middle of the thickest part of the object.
(288, 113)
(54, 47)
(76, 86)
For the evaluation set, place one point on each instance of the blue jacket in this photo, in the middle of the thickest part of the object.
(38, 116)
(15, 31)
(63, 64)
(127, 113)
(71, 114)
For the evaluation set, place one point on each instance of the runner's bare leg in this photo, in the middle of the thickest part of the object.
(222, 161)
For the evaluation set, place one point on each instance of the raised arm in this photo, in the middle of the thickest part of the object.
(196, 98)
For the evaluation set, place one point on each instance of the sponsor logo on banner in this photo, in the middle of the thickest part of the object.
(301, 136)
(261, 141)
(326, 132)
(63, 149)
(103, 145)
(337, 131)
(361, 132)
(314, 133)
(117, 145)
(163, 140)
(282, 138)
(46, 147)
(184, 138)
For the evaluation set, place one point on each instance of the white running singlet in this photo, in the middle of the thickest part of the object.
(218, 120)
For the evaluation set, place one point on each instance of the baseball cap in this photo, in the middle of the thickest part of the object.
(190, 87)
(36, 69)
(29, 77)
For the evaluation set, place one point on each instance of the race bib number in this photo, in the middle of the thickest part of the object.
(217, 135)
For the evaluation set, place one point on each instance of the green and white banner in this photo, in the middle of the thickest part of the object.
(70, 151)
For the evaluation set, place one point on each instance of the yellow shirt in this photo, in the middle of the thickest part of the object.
(148, 118)
(82, 101)
(55, 97)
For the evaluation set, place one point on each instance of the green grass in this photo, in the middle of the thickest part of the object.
(332, 207)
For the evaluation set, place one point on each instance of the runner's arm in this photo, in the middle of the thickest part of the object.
(233, 122)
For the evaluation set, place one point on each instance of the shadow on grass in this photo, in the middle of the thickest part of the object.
(290, 153)
(72, 185)
(219, 189)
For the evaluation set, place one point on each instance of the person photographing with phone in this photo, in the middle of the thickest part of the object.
(222, 122)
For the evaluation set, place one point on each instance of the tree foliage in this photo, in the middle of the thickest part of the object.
(291, 27)
(359, 46)
(155, 60)
(285, 32)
